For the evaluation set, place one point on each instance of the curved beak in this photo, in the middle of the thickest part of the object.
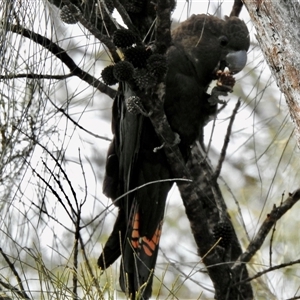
(236, 61)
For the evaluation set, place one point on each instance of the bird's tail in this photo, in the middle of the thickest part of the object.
(112, 248)
(139, 259)
(139, 254)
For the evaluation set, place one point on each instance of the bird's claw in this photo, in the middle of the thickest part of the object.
(175, 142)
(156, 149)
(135, 106)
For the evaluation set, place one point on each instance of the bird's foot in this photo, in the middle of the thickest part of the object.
(217, 91)
(224, 86)
(135, 106)
(177, 140)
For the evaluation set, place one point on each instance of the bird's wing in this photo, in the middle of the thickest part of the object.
(138, 225)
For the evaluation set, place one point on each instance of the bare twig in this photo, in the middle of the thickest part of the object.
(12, 289)
(84, 178)
(53, 191)
(186, 277)
(226, 141)
(90, 270)
(259, 274)
(75, 266)
(36, 76)
(272, 237)
(57, 180)
(92, 29)
(76, 242)
(79, 126)
(52, 217)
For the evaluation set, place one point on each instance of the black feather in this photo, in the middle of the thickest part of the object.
(197, 53)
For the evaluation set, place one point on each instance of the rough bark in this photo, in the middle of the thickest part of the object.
(278, 25)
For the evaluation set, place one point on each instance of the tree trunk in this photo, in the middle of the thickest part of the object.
(278, 25)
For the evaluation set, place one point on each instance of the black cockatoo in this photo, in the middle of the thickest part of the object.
(201, 46)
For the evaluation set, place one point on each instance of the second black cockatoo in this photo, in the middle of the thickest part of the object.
(201, 46)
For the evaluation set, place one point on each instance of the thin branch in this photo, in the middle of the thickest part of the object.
(242, 221)
(13, 269)
(51, 217)
(36, 76)
(61, 170)
(90, 270)
(226, 141)
(52, 190)
(124, 15)
(75, 258)
(84, 179)
(152, 182)
(12, 289)
(79, 126)
(62, 55)
(259, 274)
(92, 29)
(272, 218)
(272, 237)
(186, 276)
(61, 188)
(77, 237)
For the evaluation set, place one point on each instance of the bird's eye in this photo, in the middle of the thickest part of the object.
(223, 40)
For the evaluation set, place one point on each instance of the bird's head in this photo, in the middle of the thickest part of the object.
(235, 42)
(213, 44)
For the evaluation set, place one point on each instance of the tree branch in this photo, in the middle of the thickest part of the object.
(271, 219)
(21, 292)
(36, 76)
(61, 54)
(163, 25)
(236, 8)
(92, 29)
(259, 274)
(226, 141)
(124, 15)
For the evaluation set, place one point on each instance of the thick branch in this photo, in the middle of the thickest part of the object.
(163, 25)
(200, 204)
(277, 25)
(236, 8)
